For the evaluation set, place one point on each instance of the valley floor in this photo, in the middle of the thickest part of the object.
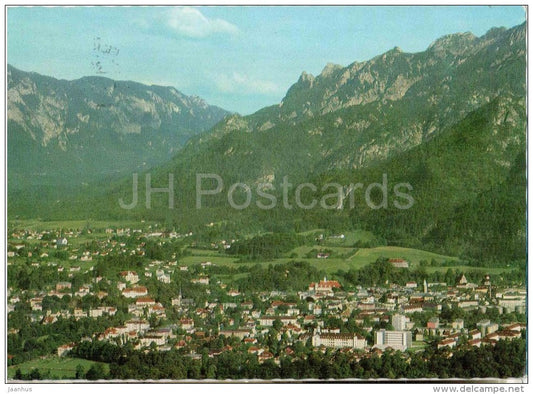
(97, 300)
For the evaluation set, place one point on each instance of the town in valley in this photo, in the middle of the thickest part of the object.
(89, 298)
(288, 194)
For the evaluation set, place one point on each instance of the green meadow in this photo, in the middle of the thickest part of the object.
(59, 367)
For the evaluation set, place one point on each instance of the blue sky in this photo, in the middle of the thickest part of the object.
(240, 58)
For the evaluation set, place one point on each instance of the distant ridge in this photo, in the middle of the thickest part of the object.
(450, 121)
(94, 127)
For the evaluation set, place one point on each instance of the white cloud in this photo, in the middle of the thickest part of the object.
(190, 22)
(240, 83)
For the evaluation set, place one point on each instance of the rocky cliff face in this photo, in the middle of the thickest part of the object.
(394, 75)
(396, 100)
(450, 121)
(71, 123)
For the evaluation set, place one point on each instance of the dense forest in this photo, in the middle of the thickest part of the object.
(503, 360)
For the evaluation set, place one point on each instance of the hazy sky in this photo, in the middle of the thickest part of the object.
(240, 58)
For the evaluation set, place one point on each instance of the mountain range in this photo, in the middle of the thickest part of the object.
(450, 121)
(69, 132)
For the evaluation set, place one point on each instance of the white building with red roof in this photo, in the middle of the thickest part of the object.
(324, 286)
(144, 301)
(137, 325)
(129, 276)
(449, 342)
(399, 263)
(138, 291)
(351, 340)
(64, 349)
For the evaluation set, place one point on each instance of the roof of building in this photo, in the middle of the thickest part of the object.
(340, 336)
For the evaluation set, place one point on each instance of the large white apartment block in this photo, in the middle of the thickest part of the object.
(398, 340)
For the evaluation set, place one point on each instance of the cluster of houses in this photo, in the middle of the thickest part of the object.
(302, 321)
(147, 324)
(21, 242)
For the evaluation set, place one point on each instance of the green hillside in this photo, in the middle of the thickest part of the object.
(450, 122)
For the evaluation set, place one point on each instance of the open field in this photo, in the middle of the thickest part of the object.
(344, 255)
(312, 232)
(302, 251)
(332, 265)
(59, 367)
(363, 256)
(36, 224)
(353, 260)
(204, 252)
(350, 237)
(215, 259)
(411, 255)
